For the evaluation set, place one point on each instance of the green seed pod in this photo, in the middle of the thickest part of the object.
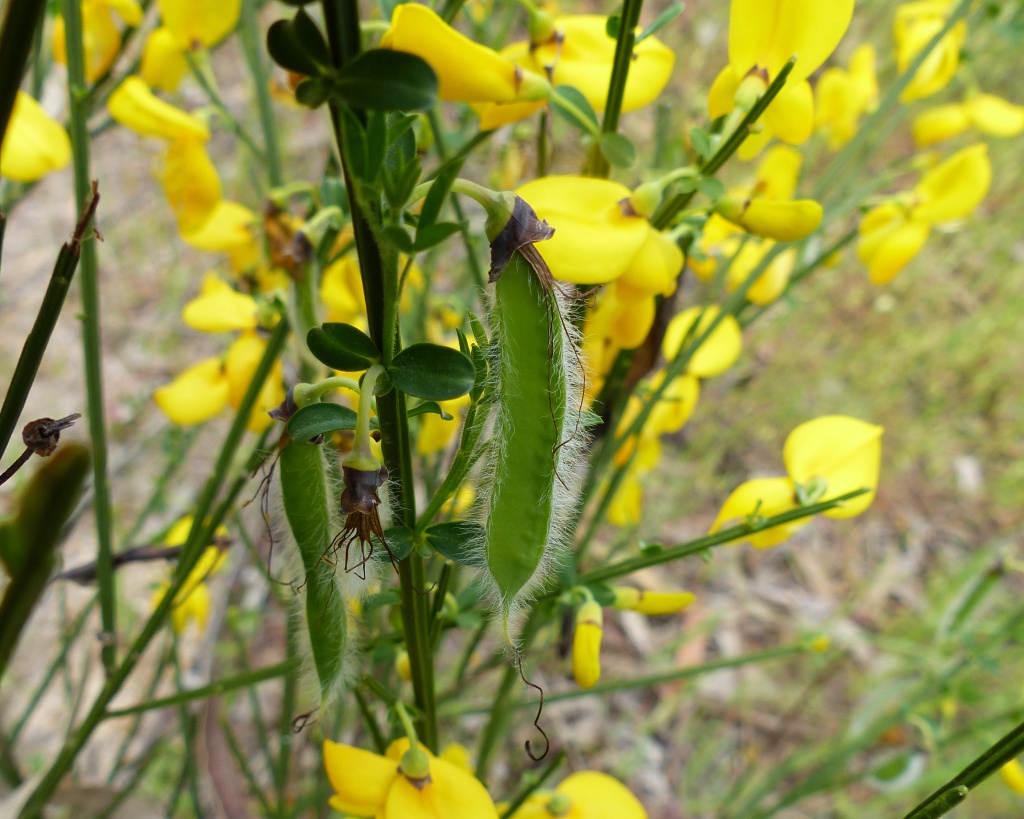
(309, 508)
(531, 490)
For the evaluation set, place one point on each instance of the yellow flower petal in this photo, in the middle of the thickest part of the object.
(764, 497)
(240, 365)
(677, 404)
(219, 308)
(163, 61)
(196, 395)
(199, 21)
(134, 106)
(594, 241)
(954, 188)
(101, 34)
(772, 282)
(360, 779)
(766, 33)
(784, 221)
(939, 123)
(626, 507)
(843, 451)
(34, 144)
(888, 241)
(995, 116)
(718, 352)
(652, 603)
(452, 793)
(914, 27)
(1012, 774)
(778, 173)
(790, 116)
(582, 57)
(191, 183)
(466, 71)
(722, 96)
(654, 268)
(341, 290)
(586, 644)
(596, 795)
(228, 229)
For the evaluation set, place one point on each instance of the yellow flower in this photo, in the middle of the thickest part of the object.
(34, 144)
(772, 282)
(219, 308)
(892, 233)
(825, 458)
(228, 229)
(586, 645)
(1012, 774)
(205, 389)
(784, 221)
(718, 352)
(370, 785)
(914, 26)
(199, 22)
(594, 241)
(341, 291)
(190, 182)
(988, 113)
(163, 61)
(192, 602)
(195, 396)
(580, 53)
(763, 36)
(466, 71)
(134, 106)
(651, 602)
(583, 795)
(843, 96)
(101, 34)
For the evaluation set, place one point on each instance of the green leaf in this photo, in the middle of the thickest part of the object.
(662, 20)
(430, 408)
(712, 188)
(461, 542)
(400, 543)
(399, 180)
(438, 193)
(386, 80)
(354, 143)
(603, 593)
(701, 142)
(432, 235)
(611, 25)
(320, 419)
(376, 144)
(582, 107)
(618, 150)
(297, 45)
(312, 92)
(398, 237)
(342, 347)
(432, 372)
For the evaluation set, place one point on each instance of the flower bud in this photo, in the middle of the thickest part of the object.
(652, 602)
(586, 645)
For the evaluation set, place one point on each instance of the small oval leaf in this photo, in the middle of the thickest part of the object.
(432, 372)
(388, 80)
(399, 543)
(461, 542)
(319, 419)
(581, 115)
(298, 45)
(430, 408)
(618, 150)
(342, 347)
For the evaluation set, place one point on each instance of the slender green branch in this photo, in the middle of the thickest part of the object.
(597, 164)
(380, 742)
(533, 784)
(244, 766)
(249, 33)
(214, 689)
(380, 288)
(42, 328)
(92, 345)
(669, 210)
(699, 545)
(191, 553)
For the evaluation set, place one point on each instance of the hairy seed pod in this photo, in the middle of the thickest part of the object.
(305, 490)
(530, 491)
